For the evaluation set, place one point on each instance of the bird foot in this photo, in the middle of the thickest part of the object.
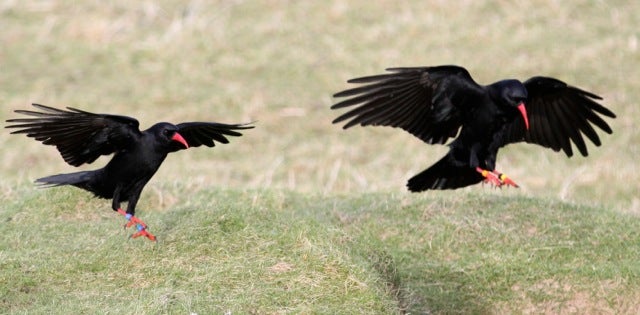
(140, 226)
(142, 231)
(496, 179)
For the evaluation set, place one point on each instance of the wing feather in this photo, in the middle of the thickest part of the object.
(80, 137)
(571, 124)
(208, 133)
(560, 115)
(418, 100)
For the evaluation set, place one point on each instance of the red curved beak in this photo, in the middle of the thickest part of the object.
(523, 111)
(177, 137)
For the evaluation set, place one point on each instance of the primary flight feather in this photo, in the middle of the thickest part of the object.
(440, 103)
(81, 137)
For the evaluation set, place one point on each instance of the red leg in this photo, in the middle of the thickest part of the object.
(506, 180)
(142, 231)
(140, 226)
(490, 177)
(131, 219)
(495, 178)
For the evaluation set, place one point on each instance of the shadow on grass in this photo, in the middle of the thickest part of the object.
(390, 245)
(427, 289)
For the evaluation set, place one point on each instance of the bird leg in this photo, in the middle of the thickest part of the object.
(142, 231)
(495, 178)
(507, 181)
(140, 226)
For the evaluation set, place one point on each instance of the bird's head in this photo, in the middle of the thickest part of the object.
(511, 93)
(167, 133)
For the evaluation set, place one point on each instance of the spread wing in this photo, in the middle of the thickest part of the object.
(559, 114)
(80, 137)
(208, 133)
(426, 101)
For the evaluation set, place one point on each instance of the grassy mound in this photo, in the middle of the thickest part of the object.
(269, 251)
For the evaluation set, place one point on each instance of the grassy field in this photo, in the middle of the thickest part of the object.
(299, 216)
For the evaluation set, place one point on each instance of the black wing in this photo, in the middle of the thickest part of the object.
(558, 115)
(81, 137)
(425, 101)
(205, 133)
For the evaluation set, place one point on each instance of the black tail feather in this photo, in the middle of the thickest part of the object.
(444, 175)
(78, 179)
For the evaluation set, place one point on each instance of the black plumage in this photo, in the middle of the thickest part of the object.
(443, 102)
(81, 137)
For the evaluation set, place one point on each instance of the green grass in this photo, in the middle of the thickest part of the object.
(270, 251)
(299, 216)
(222, 251)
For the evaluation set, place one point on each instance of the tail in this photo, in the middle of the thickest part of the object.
(78, 179)
(445, 174)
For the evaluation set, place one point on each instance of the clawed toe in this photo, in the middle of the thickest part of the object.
(142, 231)
(496, 179)
(139, 224)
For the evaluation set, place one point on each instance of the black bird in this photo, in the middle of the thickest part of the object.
(442, 102)
(81, 137)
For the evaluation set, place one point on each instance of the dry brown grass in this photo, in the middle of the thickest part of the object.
(279, 62)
